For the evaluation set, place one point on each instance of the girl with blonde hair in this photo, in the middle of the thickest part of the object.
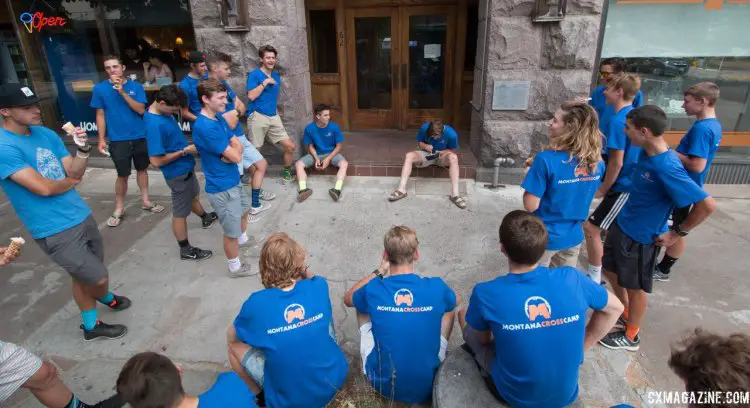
(287, 328)
(563, 178)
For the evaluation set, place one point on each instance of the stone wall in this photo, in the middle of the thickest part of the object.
(280, 23)
(557, 57)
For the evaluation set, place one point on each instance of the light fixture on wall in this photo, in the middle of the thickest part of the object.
(178, 41)
(546, 11)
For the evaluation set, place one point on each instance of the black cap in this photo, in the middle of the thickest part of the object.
(16, 95)
(196, 57)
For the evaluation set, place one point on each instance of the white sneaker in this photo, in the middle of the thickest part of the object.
(244, 271)
(266, 195)
(253, 218)
(258, 210)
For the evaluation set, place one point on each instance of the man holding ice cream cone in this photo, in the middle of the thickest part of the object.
(39, 177)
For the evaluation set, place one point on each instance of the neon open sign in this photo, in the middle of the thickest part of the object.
(37, 21)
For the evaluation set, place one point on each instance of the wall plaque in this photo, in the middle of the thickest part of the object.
(511, 95)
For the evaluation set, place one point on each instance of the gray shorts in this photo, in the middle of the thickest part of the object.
(250, 155)
(79, 250)
(309, 161)
(185, 189)
(17, 365)
(254, 364)
(231, 205)
(631, 261)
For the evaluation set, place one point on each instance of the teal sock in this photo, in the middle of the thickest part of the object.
(89, 318)
(108, 298)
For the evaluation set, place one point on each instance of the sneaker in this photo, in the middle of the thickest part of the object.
(119, 303)
(287, 178)
(258, 210)
(303, 194)
(335, 194)
(266, 195)
(620, 324)
(104, 331)
(661, 276)
(245, 270)
(114, 401)
(245, 179)
(619, 341)
(209, 219)
(195, 254)
(253, 218)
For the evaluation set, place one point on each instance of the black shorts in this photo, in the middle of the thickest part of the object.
(631, 261)
(126, 151)
(679, 215)
(606, 213)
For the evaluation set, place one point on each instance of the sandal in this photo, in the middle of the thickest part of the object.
(396, 195)
(154, 208)
(114, 220)
(459, 201)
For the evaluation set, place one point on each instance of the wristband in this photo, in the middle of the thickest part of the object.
(82, 154)
(377, 273)
(87, 149)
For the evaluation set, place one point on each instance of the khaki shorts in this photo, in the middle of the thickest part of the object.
(561, 257)
(441, 161)
(262, 127)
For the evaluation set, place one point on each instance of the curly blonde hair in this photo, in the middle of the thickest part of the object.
(282, 260)
(581, 136)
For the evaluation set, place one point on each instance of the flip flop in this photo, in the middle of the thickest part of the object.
(396, 195)
(114, 220)
(154, 208)
(459, 201)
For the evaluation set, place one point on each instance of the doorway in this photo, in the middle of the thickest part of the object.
(400, 65)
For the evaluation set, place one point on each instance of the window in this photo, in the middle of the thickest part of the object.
(673, 46)
(323, 41)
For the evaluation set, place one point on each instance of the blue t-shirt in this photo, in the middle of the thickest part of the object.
(618, 140)
(599, 103)
(43, 151)
(229, 391)
(660, 184)
(304, 365)
(566, 190)
(702, 140)
(211, 137)
(238, 131)
(190, 86)
(265, 103)
(324, 139)
(448, 140)
(406, 311)
(538, 320)
(123, 123)
(165, 136)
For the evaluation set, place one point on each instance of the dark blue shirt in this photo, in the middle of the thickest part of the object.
(448, 140)
(165, 136)
(566, 190)
(538, 321)
(123, 123)
(618, 140)
(211, 138)
(702, 140)
(660, 184)
(324, 139)
(265, 103)
(190, 86)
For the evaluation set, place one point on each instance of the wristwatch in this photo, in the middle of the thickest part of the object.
(84, 150)
(377, 273)
(184, 153)
(679, 231)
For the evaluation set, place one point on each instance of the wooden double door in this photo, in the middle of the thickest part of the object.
(400, 65)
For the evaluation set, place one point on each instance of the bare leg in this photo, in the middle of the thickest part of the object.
(231, 247)
(410, 159)
(676, 250)
(637, 307)
(48, 388)
(453, 171)
(121, 189)
(85, 295)
(197, 208)
(142, 180)
(446, 324)
(594, 245)
(341, 174)
(179, 228)
(289, 147)
(243, 222)
(618, 290)
(301, 175)
(259, 173)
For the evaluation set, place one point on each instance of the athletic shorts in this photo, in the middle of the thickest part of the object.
(679, 215)
(126, 151)
(250, 155)
(79, 250)
(230, 205)
(606, 213)
(262, 127)
(17, 365)
(309, 161)
(185, 189)
(631, 261)
(441, 161)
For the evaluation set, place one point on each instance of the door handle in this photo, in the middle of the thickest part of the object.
(403, 76)
(395, 76)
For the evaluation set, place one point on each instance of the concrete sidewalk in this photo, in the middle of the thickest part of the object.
(182, 309)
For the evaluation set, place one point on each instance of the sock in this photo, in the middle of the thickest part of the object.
(108, 298)
(339, 184)
(625, 314)
(183, 244)
(242, 240)
(89, 318)
(666, 264)
(234, 264)
(256, 197)
(302, 185)
(631, 331)
(595, 273)
(287, 171)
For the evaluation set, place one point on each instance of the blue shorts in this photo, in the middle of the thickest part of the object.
(253, 363)
(250, 155)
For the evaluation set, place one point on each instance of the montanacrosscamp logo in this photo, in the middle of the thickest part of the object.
(404, 301)
(539, 315)
(294, 316)
(403, 297)
(580, 173)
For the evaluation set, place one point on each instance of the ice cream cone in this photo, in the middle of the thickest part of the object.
(13, 248)
(69, 128)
